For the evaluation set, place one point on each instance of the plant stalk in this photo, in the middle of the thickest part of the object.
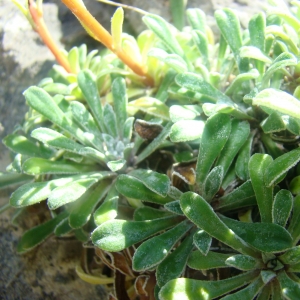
(101, 34)
(41, 28)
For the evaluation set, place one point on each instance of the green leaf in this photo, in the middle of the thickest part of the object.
(244, 262)
(116, 165)
(172, 60)
(164, 32)
(266, 237)
(201, 42)
(258, 165)
(294, 226)
(155, 143)
(63, 228)
(134, 188)
(149, 213)
(37, 166)
(241, 165)
(280, 166)
(162, 93)
(108, 210)
(257, 26)
(290, 289)
(174, 207)
(282, 207)
(255, 53)
(186, 130)
(212, 260)
(212, 183)
(214, 137)
(177, 11)
(8, 179)
(116, 235)
(202, 240)
(43, 103)
(248, 292)
(73, 58)
(74, 190)
(202, 214)
(294, 185)
(196, 18)
(285, 59)
(230, 28)
(273, 123)
(89, 89)
(278, 100)
(238, 136)
(31, 193)
(196, 83)
(291, 256)
(110, 120)
(38, 234)
(116, 28)
(21, 144)
(156, 182)
(187, 289)
(83, 208)
(153, 251)
(174, 265)
(184, 112)
(151, 106)
(120, 102)
(240, 197)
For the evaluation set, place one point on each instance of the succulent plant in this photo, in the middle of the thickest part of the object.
(174, 156)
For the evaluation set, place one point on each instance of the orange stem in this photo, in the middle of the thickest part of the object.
(41, 29)
(104, 37)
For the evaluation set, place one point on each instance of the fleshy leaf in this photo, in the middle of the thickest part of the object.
(282, 207)
(83, 208)
(156, 182)
(173, 266)
(291, 256)
(211, 260)
(214, 137)
(290, 289)
(238, 136)
(201, 42)
(278, 167)
(89, 89)
(240, 197)
(266, 237)
(279, 101)
(258, 165)
(294, 226)
(116, 165)
(108, 210)
(248, 292)
(244, 262)
(38, 234)
(116, 28)
(149, 213)
(37, 166)
(184, 112)
(187, 289)
(174, 207)
(213, 183)
(153, 251)
(163, 31)
(116, 235)
(131, 187)
(202, 240)
(202, 214)
(186, 130)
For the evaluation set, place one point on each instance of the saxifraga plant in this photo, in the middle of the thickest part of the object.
(202, 199)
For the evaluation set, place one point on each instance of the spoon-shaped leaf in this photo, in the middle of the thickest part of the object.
(282, 207)
(173, 266)
(187, 289)
(258, 165)
(202, 240)
(153, 251)
(116, 235)
(202, 214)
(290, 289)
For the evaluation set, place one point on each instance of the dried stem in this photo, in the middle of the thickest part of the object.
(41, 28)
(101, 34)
